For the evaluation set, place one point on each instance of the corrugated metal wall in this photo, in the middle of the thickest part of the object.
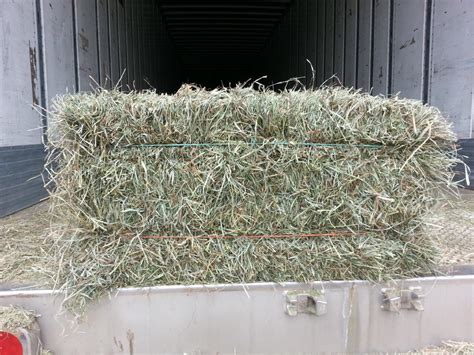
(53, 47)
(21, 149)
(421, 49)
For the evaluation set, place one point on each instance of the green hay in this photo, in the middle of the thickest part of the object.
(241, 161)
(94, 266)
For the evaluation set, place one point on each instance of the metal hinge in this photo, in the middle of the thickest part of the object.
(311, 302)
(395, 299)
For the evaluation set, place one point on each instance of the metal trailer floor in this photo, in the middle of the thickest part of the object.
(260, 318)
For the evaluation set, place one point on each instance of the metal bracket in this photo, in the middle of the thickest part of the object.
(395, 299)
(311, 302)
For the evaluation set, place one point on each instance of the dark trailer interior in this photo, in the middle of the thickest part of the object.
(222, 42)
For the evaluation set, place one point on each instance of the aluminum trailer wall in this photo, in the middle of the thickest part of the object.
(419, 48)
(21, 150)
(54, 47)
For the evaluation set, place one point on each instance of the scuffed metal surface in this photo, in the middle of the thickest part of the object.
(452, 63)
(247, 318)
(83, 42)
(103, 45)
(130, 338)
(87, 50)
(58, 49)
(19, 122)
(380, 64)
(34, 74)
(408, 49)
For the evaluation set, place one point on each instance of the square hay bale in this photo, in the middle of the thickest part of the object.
(244, 185)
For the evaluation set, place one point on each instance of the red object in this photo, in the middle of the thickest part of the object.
(9, 344)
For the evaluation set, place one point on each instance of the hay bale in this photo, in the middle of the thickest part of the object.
(241, 161)
(236, 162)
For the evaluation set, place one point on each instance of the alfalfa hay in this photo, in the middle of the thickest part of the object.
(220, 186)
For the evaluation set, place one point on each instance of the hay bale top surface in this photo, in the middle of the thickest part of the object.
(196, 115)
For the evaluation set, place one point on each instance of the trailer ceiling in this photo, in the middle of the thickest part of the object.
(220, 41)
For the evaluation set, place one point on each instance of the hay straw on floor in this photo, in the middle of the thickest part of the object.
(12, 318)
(449, 347)
(25, 250)
(240, 161)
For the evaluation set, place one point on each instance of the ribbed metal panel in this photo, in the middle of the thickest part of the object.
(21, 184)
